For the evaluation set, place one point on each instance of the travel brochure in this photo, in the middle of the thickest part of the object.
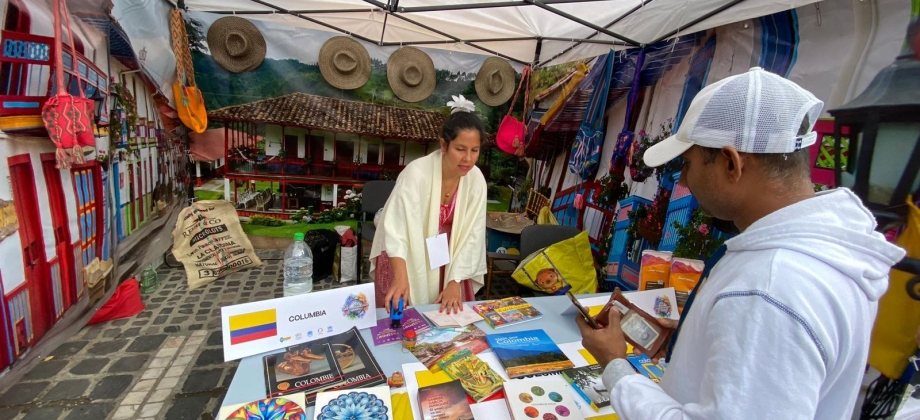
(509, 311)
(586, 381)
(446, 401)
(528, 353)
(411, 321)
(438, 342)
(477, 378)
(529, 399)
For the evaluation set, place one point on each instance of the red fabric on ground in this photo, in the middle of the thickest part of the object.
(124, 303)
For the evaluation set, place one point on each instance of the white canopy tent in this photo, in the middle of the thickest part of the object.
(539, 32)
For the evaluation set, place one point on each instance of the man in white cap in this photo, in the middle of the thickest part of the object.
(780, 326)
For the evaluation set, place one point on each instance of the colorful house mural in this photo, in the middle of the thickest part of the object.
(58, 226)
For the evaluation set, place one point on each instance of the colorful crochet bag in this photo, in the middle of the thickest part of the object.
(68, 118)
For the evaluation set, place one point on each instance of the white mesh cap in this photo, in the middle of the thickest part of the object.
(754, 112)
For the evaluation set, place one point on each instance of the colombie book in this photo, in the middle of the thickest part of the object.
(445, 401)
(587, 382)
(508, 311)
(350, 354)
(528, 353)
(411, 320)
(541, 399)
(301, 368)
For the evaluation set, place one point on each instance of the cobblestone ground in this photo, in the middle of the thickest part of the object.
(164, 363)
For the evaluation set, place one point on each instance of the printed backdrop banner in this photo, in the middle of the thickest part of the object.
(258, 327)
(291, 65)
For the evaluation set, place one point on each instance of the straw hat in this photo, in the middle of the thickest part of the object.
(495, 81)
(236, 44)
(344, 63)
(411, 74)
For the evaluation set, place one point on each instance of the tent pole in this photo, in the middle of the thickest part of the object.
(466, 6)
(536, 58)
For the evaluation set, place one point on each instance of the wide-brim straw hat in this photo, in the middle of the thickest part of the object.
(344, 63)
(236, 44)
(411, 74)
(495, 81)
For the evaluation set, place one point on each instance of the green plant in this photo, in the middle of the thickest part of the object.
(673, 165)
(612, 189)
(265, 221)
(301, 216)
(492, 191)
(524, 189)
(651, 226)
(695, 238)
(123, 101)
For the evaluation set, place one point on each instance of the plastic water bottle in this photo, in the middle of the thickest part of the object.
(298, 267)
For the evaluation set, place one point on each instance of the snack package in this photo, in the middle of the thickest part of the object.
(655, 271)
(685, 274)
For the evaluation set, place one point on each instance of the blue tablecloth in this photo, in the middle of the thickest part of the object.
(249, 383)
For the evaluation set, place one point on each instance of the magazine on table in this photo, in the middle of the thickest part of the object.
(476, 377)
(541, 399)
(446, 401)
(587, 382)
(508, 311)
(382, 334)
(441, 342)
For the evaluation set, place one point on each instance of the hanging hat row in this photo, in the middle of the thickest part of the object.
(346, 64)
(237, 46)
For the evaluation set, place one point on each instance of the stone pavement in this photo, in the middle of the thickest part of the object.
(164, 363)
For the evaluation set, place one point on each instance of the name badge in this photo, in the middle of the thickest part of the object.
(438, 254)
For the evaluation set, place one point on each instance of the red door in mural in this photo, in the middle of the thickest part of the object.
(59, 222)
(35, 272)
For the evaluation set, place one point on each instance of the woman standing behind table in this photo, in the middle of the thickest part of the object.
(442, 193)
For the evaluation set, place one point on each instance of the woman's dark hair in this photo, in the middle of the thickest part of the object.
(459, 121)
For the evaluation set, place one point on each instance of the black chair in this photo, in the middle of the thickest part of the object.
(374, 196)
(533, 238)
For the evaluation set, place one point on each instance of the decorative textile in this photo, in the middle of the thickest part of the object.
(412, 214)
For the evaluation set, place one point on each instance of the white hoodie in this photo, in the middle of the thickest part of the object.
(780, 329)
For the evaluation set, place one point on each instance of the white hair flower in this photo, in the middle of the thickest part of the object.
(459, 103)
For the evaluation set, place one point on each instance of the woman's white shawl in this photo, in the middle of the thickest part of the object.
(411, 215)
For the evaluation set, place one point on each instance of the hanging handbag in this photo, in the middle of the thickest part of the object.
(511, 132)
(189, 102)
(68, 118)
(586, 150)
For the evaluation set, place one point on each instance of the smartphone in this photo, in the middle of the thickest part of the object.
(584, 311)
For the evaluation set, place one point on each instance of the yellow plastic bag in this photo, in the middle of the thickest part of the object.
(546, 217)
(561, 267)
(898, 314)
